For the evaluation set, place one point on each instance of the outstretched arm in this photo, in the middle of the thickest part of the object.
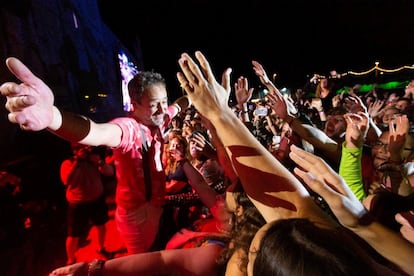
(194, 261)
(31, 105)
(271, 187)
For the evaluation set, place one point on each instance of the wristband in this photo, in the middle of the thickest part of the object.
(74, 127)
(95, 268)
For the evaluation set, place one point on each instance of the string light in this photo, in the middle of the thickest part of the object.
(375, 68)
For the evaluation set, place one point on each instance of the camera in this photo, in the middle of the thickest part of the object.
(260, 111)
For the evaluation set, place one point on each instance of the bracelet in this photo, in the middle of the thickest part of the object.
(321, 112)
(74, 127)
(95, 268)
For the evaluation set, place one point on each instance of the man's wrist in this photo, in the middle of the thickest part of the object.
(72, 127)
(56, 120)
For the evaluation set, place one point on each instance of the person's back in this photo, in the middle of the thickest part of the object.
(82, 176)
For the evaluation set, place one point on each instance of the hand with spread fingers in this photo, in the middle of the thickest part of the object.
(193, 77)
(30, 103)
(242, 91)
(323, 180)
(356, 130)
(349, 210)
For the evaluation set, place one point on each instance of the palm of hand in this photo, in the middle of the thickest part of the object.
(30, 103)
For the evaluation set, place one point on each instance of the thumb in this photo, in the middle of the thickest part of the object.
(18, 69)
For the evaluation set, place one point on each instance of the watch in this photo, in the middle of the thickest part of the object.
(95, 268)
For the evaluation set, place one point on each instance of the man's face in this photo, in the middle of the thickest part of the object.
(335, 126)
(379, 150)
(152, 109)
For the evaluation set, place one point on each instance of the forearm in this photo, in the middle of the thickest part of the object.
(205, 192)
(389, 244)
(350, 170)
(77, 128)
(136, 264)
(267, 182)
(223, 158)
(317, 138)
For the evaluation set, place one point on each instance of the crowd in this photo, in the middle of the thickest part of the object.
(287, 185)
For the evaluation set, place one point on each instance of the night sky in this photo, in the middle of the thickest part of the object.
(293, 39)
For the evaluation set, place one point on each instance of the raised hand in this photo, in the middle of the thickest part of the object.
(194, 78)
(375, 109)
(357, 126)
(260, 72)
(242, 91)
(203, 145)
(323, 180)
(30, 103)
(398, 131)
(277, 102)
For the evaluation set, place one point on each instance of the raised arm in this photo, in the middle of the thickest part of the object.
(272, 188)
(350, 211)
(350, 167)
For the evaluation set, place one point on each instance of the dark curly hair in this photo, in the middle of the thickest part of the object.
(141, 81)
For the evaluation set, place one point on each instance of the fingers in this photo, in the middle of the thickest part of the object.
(184, 83)
(316, 185)
(186, 77)
(302, 158)
(225, 79)
(205, 67)
(10, 89)
(22, 72)
(406, 219)
(17, 103)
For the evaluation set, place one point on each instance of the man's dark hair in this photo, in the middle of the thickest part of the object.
(141, 81)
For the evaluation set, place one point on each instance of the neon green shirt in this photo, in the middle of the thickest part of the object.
(350, 170)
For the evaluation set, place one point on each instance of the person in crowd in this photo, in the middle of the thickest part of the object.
(177, 210)
(203, 157)
(285, 203)
(389, 113)
(16, 250)
(132, 138)
(177, 123)
(409, 90)
(324, 90)
(321, 140)
(382, 204)
(82, 176)
(351, 213)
